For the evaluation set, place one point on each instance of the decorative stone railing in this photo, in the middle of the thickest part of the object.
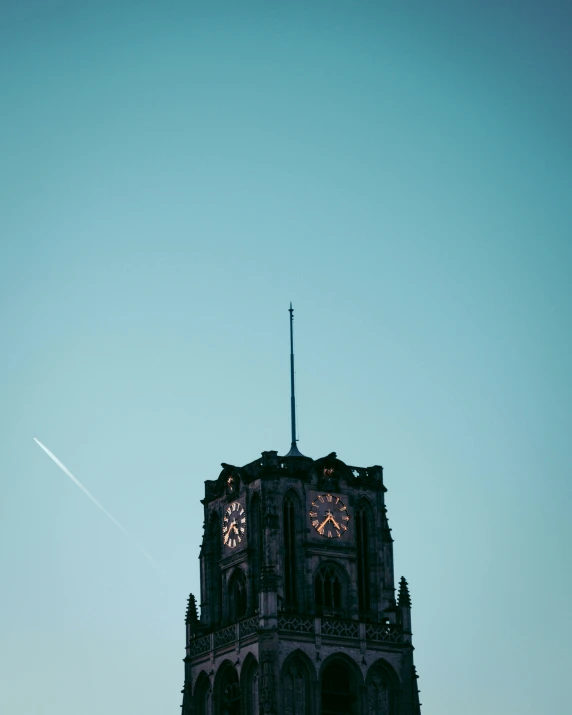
(340, 629)
(386, 633)
(223, 637)
(199, 645)
(314, 627)
(248, 627)
(296, 624)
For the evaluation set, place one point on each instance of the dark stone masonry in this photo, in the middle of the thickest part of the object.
(298, 614)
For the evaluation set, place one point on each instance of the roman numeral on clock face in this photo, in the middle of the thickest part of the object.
(234, 525)
(329, 516)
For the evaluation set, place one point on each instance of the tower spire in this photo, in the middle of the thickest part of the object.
(294, 451)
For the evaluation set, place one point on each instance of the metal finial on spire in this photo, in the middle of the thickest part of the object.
(294, 451)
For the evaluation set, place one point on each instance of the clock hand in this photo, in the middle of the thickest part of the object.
(321, 527)
(228, 532)
(335, 523)
(331, 518)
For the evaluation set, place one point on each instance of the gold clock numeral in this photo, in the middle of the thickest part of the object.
(329, 515)
(234, 525)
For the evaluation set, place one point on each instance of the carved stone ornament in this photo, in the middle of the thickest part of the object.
(329, 472)
(232, 485)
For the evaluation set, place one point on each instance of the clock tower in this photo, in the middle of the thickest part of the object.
(298, 611)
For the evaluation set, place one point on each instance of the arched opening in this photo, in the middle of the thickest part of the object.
(338, 689)
(296, 684)
(203, 695)
(290, 566)
(249, 686)
(227, 691)
(328, 591)
(237, 598)
(382, 689)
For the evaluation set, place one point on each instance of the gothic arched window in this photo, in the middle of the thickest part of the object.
(328, 590)
(203, 695)
(249, 686)
(290, 588)
(228, 691)
(338, 689)
(237, 595)
(362, 532)
(382, 693)
(296, 686)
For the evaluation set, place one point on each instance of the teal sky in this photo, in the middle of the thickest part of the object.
(172, 174)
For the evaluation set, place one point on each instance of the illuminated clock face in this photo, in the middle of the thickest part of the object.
(234, 525)
(329, 516)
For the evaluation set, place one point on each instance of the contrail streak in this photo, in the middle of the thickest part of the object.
(93, 499)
